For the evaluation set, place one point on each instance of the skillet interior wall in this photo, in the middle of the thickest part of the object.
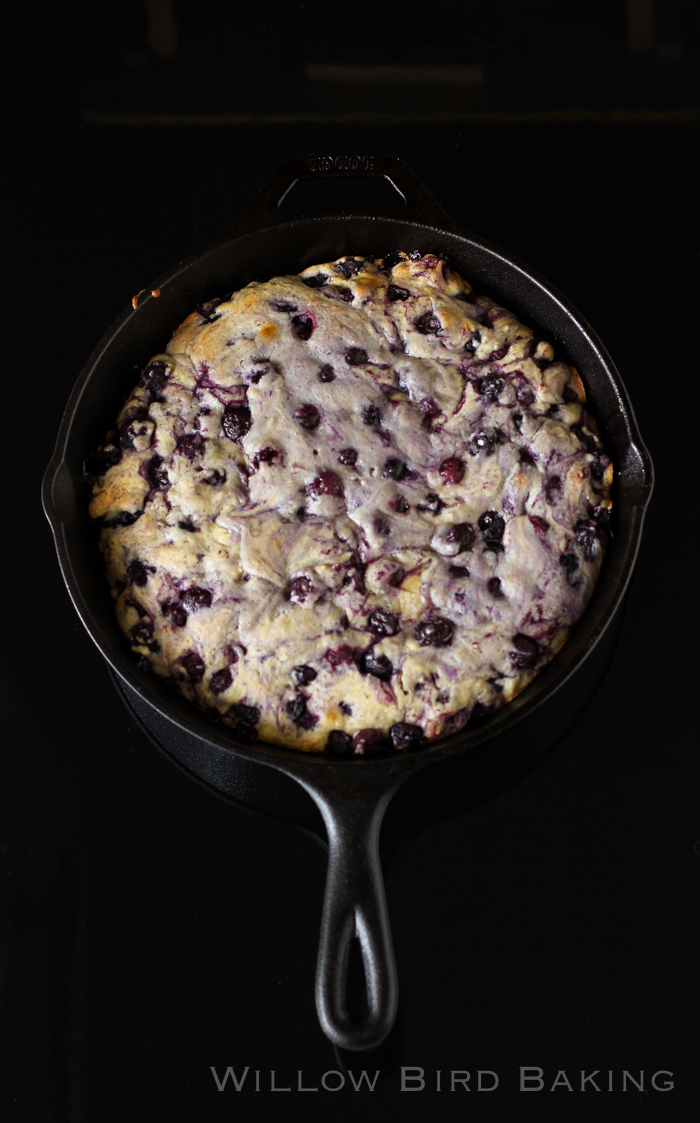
(155, 932)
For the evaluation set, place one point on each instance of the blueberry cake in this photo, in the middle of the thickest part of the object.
(350, 509)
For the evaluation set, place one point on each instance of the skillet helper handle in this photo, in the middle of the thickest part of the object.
(421, 207)
(355, 906)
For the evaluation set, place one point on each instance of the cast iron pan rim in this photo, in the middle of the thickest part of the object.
(502, 719)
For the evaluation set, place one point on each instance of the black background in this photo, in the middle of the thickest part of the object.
(153, 931)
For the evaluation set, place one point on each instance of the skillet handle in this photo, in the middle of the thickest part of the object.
(421, 207)
(355, 906)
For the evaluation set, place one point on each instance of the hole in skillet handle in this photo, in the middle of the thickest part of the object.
(357, 194)
(355, 983)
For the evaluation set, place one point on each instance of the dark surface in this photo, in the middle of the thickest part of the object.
(154, 931)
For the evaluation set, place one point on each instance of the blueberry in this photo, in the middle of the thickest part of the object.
(236, 422)
(368, 741)
(348, 268)
(403, 735)
(499, 353)
(552, 488)
(436, 632)
(304, 674)
(378, 665)
(482, 442)
(588, 537)
(326, 373)
(132, 428)
(157, 476)
(526, 652)
(196, 598)
(246, 715)
(471, 345)
(206, 309)
(452, 470)
(462, 535)
(265, 456)
(339, 743)
(490, 387)
(346, 708)
(138, 572)
(458, 571)
(431, 410)
(383, 623)
(356, 356)
(216, 478)
(569, 562)
(347, 456)
(397, 577)
(427, 324)
(123, 518)
(246, 732)
(381, 526)
(316, 282)
(588, 441)
(299, 589)
(99, 462)
(479, 711)
(155, 377)
(433, 503)
(327, 483)
(394, 469)
(372, 416)
(401, 505)
(524, 395)
(598, 467)
(299, 714)
(191, 445)
(303, 327)
(307, 416)
(176, 612)
(394, 292)
(220, 681)
(142, 633)
(492, 525)
(194, 666)
(495, 588)
(391, 260)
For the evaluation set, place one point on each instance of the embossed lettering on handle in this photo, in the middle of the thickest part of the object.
(341, 164)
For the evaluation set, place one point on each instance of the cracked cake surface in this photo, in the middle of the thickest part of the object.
(352, 508)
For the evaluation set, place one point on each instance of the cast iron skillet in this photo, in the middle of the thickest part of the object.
(351, 795)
